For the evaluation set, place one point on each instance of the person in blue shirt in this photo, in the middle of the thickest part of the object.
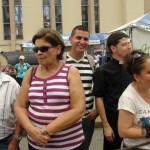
(21, 69)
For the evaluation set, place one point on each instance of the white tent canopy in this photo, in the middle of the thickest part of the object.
(139, 31)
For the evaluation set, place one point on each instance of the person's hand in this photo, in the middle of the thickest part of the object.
(13, 145)
(109, 134)
(40, 136)
(93, 115)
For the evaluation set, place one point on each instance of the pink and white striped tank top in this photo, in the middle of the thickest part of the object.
(49, 98)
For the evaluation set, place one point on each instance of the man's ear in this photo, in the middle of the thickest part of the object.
(113, 48)
(70, 39)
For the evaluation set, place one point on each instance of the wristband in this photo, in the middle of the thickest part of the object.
(18, 137)
(147, 132)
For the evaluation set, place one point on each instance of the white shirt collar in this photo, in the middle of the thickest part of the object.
(121, 62)
(3, 78)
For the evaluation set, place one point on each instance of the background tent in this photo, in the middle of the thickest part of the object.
(27, 46)
(95, 38)
(139, 31)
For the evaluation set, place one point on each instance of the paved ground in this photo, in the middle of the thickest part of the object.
(97, 141)
(95, 145)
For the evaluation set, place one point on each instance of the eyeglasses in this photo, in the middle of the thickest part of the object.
(42, 48)
(126, 44)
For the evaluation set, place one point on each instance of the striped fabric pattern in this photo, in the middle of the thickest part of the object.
(9, 90)
(49, 98)
(86, 74)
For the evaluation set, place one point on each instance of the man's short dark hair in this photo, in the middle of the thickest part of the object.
(114, 38)
(79, 27)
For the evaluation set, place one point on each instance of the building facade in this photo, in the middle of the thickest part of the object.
(21, 19)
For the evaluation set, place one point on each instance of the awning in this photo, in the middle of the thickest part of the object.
(66, 39)
(94, 39)
(28, 45)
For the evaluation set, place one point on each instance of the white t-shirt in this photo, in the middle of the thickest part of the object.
(131, 101)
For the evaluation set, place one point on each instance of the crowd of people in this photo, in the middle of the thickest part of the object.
(18, 71)
(54, 100)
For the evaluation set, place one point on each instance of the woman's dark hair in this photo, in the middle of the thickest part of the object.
(51, 36)
(134, 61)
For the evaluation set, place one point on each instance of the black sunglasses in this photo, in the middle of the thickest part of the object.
(42, 48)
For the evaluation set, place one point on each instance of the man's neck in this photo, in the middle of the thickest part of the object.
(76, 55)
(117, 58)
(121, 60)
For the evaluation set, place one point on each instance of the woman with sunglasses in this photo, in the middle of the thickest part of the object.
(56, 98)
(134, 104)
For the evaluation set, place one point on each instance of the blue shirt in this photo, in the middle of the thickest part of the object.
(21, 69)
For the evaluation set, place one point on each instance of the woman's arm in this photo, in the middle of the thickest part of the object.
(125, 126)
(77, 104)
(22, 100)
(38, 135)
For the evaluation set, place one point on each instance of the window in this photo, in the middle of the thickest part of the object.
(46, 14)
(52, 17)
(6, 19)
(18, 19)
(58, 12)
(96, 9)
(84, 5)
(90, 14)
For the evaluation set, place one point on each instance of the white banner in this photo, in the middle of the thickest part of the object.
(141, 39)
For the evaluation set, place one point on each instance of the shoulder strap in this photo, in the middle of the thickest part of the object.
(64, 57)
(91, 62)
(34, 68)
(89, 57)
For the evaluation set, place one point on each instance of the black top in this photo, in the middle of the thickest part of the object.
(110, 80)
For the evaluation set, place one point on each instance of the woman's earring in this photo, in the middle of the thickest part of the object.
(138, 84)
